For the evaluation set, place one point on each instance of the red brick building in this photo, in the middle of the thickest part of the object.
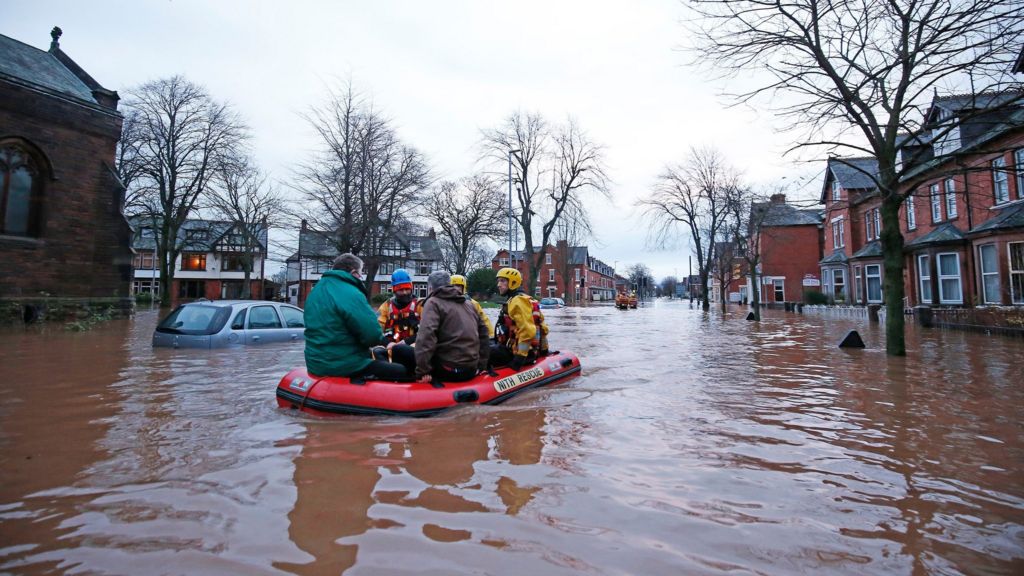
(962, 223)
(62, 229)
(567, 272)
(789, 241)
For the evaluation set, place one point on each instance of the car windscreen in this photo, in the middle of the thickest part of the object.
(195, 320)
(547, 301)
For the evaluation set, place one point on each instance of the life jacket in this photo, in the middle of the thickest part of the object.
(505, 328)
(402, 322)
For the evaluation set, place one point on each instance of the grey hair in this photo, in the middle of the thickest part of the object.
(348, 262)
(438, 279)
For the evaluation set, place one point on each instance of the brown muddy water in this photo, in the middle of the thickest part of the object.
(693, 444)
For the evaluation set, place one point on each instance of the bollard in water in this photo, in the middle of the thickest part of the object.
(852, 340)
(750, 316)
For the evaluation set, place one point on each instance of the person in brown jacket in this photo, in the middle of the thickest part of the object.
(452, 342)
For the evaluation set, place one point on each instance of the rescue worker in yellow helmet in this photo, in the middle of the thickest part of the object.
(459, 281)
(520, 334)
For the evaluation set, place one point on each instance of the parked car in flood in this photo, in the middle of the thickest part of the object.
(552, 303)
(220, 323)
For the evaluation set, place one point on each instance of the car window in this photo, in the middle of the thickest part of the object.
(261, 317)
(195, 319)
(547, 301)
(239, 322)
(292, 317)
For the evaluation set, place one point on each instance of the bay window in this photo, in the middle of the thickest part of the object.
(1016, 253)
(949, 278)
(924, 275)
(989, 265)
(873, 277)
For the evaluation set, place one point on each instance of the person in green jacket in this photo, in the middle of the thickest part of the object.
(341, 327)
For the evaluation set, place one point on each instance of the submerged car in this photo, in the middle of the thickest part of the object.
(552, 303)
(220, 323)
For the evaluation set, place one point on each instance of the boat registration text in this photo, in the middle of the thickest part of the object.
(510, 382)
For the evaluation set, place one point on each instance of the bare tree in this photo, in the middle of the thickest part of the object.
(566, 156)
(693, 195)
(668, 286)
(569, 234)
(725, 267)
(178, 135)
(364, 182)
(242, 195)
(640, 279)
(468, 213)
(855, 76)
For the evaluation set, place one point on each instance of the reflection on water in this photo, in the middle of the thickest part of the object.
(694, 443)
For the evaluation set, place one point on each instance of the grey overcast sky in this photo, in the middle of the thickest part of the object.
(442, 70)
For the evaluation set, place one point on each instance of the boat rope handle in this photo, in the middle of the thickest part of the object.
(308, 392)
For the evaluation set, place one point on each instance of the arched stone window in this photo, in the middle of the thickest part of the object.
(21, 190)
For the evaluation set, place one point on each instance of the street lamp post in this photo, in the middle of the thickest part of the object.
(510, 153)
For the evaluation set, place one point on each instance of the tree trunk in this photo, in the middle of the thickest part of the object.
(892, 282)
(755, 296)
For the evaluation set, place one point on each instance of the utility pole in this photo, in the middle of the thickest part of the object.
(689, 278)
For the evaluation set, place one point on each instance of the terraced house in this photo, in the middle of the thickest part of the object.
(419, 255)
(963, 222)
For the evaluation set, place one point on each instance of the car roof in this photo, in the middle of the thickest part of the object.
(233, 303)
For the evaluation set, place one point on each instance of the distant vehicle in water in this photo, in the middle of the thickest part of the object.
(552, 303)
(622, 301)
(222, 323)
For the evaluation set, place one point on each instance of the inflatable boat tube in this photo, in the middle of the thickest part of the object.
(300, 390)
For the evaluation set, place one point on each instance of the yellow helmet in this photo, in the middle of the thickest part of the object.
(460, 280)
(515, 279)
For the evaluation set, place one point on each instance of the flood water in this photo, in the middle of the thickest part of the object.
(693, 444)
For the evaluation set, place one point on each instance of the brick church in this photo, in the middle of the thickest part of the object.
(63, 233)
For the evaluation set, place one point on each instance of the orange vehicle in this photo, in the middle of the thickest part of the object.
(632, 299)
(622, 301)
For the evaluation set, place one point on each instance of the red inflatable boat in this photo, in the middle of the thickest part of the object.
(339, 395)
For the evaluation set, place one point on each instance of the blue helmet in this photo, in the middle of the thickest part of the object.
(400, 276)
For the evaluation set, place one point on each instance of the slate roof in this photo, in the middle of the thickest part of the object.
(982, 101)
(215, 229)
(835, 258)
(782, 214)
(315, 243)
(943, 234)
(852, 174)
(24, 64)
(872, 249)
(1011, 217)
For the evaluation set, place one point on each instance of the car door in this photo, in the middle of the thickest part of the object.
(294, 323)
(264, 325)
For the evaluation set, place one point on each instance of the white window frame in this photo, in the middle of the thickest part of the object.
(551, 274)
(577, 275)
(950, 186)
(936, 202)
(1016, 272)
(503, 262)
(779, 284)
(943, 278)
(547, 258)
(836, 190)
(842, 276)
(875, 275)
(869, 226)
(838, 234)
(551, 291)
(911, 213)
(988, 274)
(924, 278)
(857, 284)
(1018, 161)
(1000, 181)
